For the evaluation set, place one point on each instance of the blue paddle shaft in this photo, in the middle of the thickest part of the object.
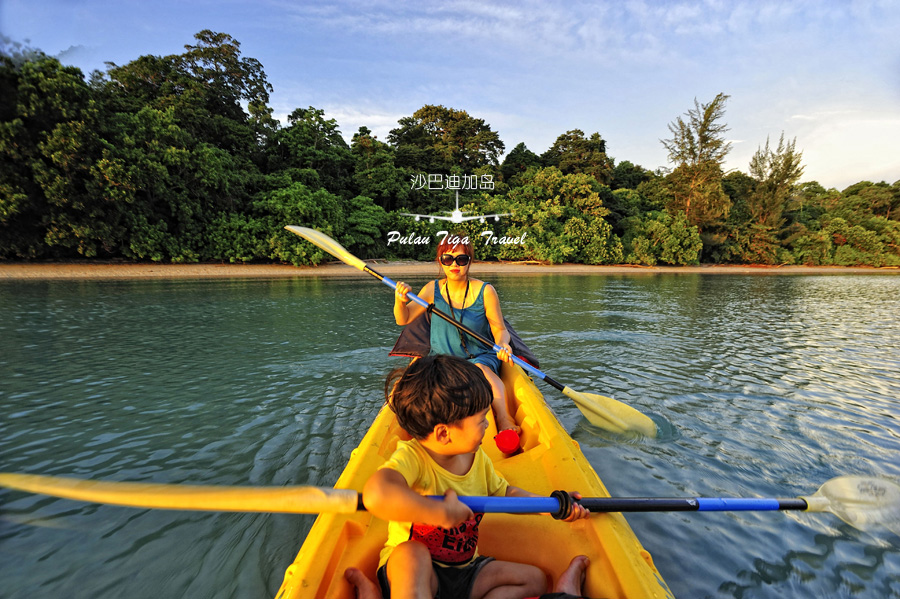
(540, 505)
(515, 359)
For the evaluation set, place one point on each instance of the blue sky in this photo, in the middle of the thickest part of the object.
(826, 73)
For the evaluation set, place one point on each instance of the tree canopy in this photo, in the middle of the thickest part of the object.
(179, 159)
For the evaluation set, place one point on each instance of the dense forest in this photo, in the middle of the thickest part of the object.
(179, 159)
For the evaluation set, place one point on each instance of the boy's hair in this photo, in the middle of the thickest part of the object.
(437, 389)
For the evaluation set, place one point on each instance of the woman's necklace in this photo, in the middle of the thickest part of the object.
(462, 306)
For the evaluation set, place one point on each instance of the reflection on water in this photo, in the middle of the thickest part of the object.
(763, 386)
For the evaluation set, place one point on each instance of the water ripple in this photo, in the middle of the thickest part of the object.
(762, 386)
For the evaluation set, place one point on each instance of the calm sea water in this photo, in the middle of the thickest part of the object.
(763, 386)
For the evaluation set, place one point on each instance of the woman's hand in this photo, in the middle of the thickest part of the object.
(505, 352)
(400, 293)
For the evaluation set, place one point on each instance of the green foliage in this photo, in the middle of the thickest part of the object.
(776, 173)
(517, 162)
(656, 237)
(366, 227)
(375, 173)
(178, 158)
(573, 153)
(445, 140)
(629, 176)
(700, 139)
(698, 149)
(696, 192)
(51, 204)
(312, 142)
(260, 234)
(563, 217)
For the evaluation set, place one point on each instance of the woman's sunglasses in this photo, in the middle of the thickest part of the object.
(461, 259)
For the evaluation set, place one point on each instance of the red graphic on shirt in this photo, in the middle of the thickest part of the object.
(449, 546)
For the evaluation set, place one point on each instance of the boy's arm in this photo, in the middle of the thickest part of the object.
(512, 491)
(387, 496)
(578, 510)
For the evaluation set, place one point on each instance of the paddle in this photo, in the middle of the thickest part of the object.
(861, 501)
(604, 412)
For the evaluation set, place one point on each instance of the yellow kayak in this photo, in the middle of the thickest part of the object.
(550, 459)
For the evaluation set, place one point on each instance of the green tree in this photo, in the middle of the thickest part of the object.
(375, 173)
(698, 149)
(186, 138)
(563, 217)
(447, 140)
(865, 199)
(629, 176)
(366, 228)
(207, 86)
(655, 237)
(776, 173)
(572, 152)
(259, 233)
(313, 144)
(52, 202)
(519, 160)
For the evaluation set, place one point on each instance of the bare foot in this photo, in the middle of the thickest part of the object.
(365, 588)
(571, 580)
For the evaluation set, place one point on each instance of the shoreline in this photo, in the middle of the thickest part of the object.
(100, 271)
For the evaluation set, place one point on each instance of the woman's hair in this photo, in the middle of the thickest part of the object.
(434, 390)
(452, 241)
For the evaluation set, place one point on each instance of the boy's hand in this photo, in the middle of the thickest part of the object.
(578, 511)
(455, 511)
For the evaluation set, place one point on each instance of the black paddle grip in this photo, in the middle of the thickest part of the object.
(565, 505)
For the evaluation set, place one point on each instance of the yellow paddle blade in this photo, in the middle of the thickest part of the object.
(328, 244)
(611, 415)
(864, 502)
(291, 500)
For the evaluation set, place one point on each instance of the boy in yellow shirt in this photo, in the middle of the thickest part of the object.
(432, 547)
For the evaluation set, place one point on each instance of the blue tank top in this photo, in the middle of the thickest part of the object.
(445, 338)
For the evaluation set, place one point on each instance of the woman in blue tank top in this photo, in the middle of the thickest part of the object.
(471, 302)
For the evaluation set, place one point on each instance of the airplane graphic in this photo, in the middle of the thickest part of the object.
(456, 216)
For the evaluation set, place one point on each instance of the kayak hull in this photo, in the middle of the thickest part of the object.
(550, 459)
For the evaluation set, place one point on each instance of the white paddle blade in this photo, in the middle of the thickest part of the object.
(865, 502)
(609, 414)
(328, 244)
(290, 500)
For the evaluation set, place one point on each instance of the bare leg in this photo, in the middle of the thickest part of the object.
(410, 571)
(365, 588)
(508, 580)
(498, 404)
(571, 580)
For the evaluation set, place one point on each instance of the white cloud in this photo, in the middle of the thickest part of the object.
(351, 118)
(844, 148)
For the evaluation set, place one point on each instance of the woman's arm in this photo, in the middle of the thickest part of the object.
(404, 311)
(495, 319)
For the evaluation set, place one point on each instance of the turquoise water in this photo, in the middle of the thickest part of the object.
(762, 385)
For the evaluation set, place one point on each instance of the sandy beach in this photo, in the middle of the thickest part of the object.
(96, 270)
